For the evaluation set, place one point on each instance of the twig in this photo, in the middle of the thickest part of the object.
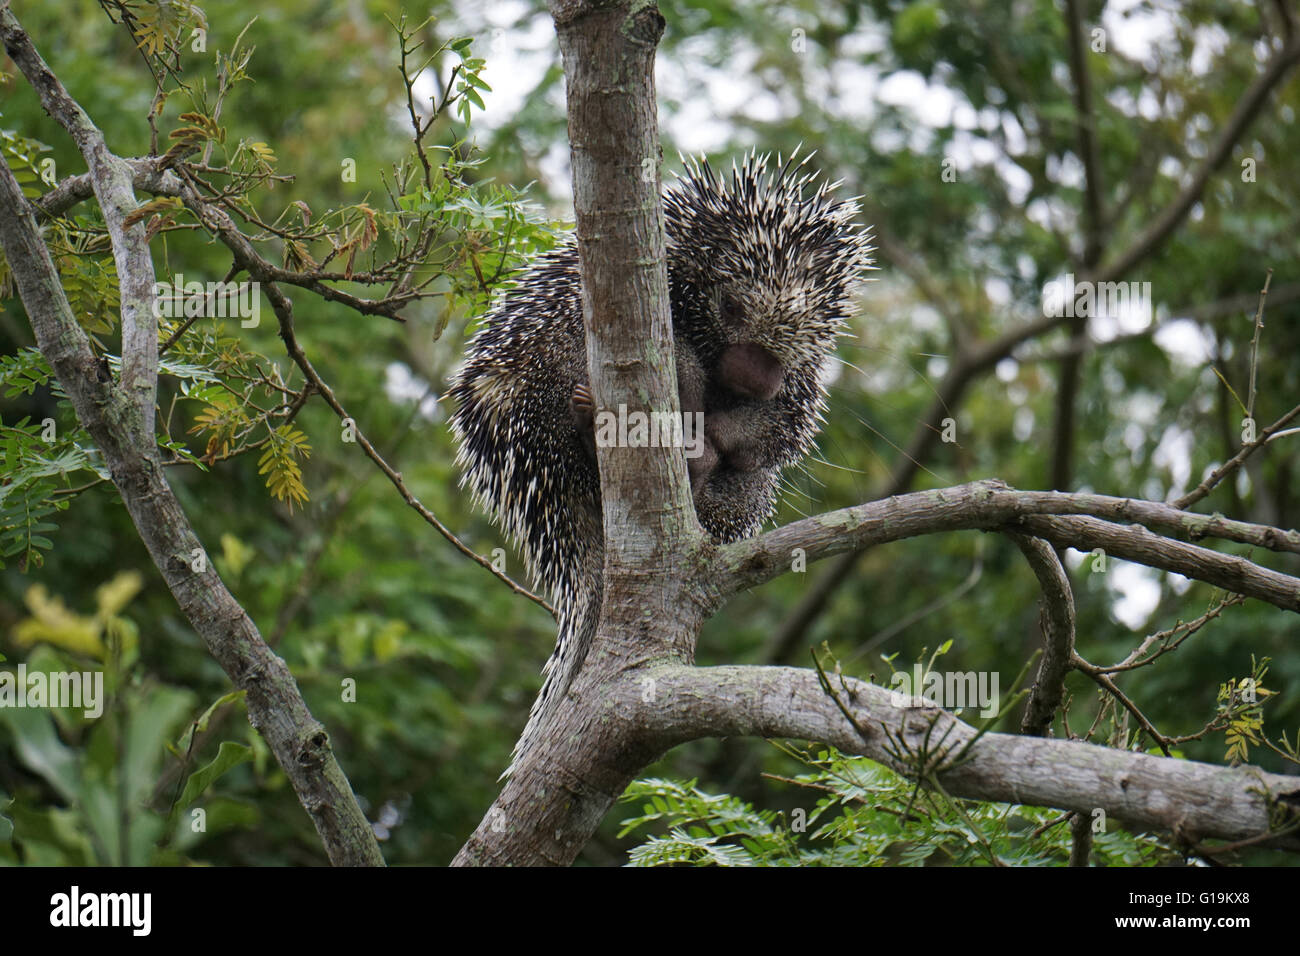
(1109, 686)
(1254, 343)
(1206, 486)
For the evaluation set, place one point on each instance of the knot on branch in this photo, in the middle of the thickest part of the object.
(314, 749)
(645, 26)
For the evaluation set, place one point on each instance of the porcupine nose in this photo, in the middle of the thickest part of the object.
(751, 371)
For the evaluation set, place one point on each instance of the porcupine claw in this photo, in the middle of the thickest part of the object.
(582, 406)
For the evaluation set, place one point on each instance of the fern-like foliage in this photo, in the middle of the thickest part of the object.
(279, 462)
(1241, 711)
(858, 813)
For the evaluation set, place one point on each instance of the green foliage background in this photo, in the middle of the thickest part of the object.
(352, 583)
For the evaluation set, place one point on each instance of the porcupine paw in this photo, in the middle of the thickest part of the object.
(582, 408)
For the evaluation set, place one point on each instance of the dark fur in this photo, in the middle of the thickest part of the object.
(760, 278)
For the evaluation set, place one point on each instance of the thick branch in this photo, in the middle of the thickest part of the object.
(967, 366)
(560, 789)
(112, 181)
(1135, 543)
(1056, 617)
(781, 702)
(991, 505)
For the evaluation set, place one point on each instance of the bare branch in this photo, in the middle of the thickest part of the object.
(1056, 617)
(1254, 343)
(1274, 75)
(992, 505)
(1085, 120)
(1135, 543)
(782, 702)
(111, 180)
(1235, 462)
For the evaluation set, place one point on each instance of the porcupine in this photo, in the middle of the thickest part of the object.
(761, 274)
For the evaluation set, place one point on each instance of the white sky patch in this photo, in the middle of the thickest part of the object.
(926, 318)
(933, 105)
(1136, 589)
(1143, 408)
(1007, 370)
(1051, 213)
(1123, 100)
(517, 58)
(998, 291)
(1243, 483)
(557, 173)
(965, 117)
(1137, 592)
(1185, 342)
(850, 90)
(1135, 437)
(1017, 180)
(1136, 27)
(1209, 43)
(1065, 170)
(1149, 107)
(706, 92)
(886, 140)
(1017, 142)
(1022, 425)
(403, 387)
(1174, 453)
(1132, 316)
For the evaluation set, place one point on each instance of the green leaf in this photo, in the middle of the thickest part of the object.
(148, 729)
(183, 745)
(40, 749)
(229, 755)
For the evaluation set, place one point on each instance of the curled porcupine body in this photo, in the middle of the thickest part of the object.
(762, 269)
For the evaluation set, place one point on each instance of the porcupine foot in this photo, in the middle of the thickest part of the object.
(582, 408)
(747, 378)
